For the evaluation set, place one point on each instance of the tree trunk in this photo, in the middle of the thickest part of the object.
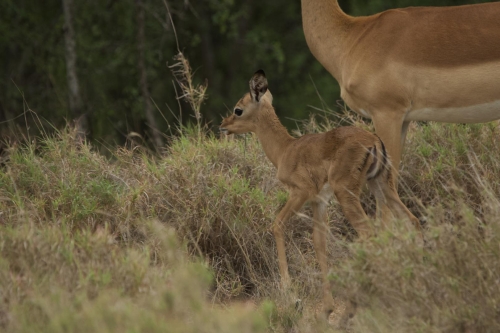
(75, 99)
(143, 79)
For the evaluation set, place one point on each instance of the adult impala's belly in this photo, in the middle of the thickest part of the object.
(468, 94)
(469, 114)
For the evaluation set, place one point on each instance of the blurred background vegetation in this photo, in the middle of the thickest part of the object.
(122, 50)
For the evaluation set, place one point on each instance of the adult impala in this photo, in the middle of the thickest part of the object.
(313, 168)
(419, 63)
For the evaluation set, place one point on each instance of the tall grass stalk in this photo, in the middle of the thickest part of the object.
(192, 93)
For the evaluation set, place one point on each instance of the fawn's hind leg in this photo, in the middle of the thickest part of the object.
(347, 180)
(384, 190)
(320, 229)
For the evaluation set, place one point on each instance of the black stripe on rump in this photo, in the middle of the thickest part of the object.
(365, 160)
(374, 169)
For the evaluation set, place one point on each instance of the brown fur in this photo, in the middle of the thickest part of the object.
(418, 63)
(341, 158)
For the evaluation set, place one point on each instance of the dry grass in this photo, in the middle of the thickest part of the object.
(76, 224)
(87, 242)
(192, 93)
(82, 247)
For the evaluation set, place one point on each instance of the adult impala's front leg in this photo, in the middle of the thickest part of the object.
(294, 203)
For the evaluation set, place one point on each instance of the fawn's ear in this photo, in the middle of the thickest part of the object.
(258, 85)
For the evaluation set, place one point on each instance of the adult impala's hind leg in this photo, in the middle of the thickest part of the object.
(320, 230)
(391, 129)
(294, 203)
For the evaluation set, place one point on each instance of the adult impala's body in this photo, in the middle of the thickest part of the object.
(316, 166)
(428, 63)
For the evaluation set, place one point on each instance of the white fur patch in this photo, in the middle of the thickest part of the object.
(363, 113)
(325, 194)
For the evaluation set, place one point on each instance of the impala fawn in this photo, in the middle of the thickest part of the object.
(313, 168)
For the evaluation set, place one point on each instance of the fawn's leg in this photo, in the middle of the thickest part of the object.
(294, 203)
(347, 189)
(320, 230)
(384, 190)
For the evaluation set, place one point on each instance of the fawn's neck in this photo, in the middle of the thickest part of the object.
(272, 135)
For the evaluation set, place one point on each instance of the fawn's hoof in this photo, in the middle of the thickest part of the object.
(298, 305)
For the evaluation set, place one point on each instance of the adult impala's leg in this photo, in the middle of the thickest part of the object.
(320, 230)
(391, 128)
(294, 203)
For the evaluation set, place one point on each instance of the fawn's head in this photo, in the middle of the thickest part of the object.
(246, 112)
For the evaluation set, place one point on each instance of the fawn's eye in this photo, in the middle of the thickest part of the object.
(238, 112)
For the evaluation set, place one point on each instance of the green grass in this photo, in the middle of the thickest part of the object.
(182, 242)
